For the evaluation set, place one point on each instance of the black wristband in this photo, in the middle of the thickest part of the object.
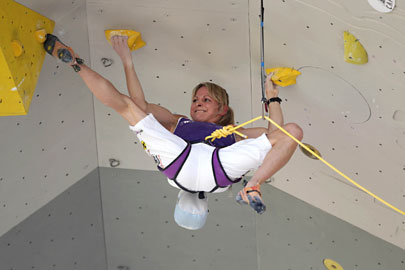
(274, 99)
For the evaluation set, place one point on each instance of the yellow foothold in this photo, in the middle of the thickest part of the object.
(134, 38)
(354, 51)
(40, 35)
(332, 265)
(309, 154)
(283, 76)
(17, 48)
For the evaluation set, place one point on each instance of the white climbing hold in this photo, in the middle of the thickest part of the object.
(383, 6)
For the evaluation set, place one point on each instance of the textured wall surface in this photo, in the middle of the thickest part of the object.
(67, 233)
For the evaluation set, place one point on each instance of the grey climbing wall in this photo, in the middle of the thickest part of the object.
(67, 233)
(291, 234)
(295, 235)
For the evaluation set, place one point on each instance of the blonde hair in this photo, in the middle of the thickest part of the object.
(220, 95)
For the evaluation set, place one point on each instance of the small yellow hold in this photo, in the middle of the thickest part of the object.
(134, 38)
(283, 76)
(354, 51)
(332, 265)
(309, 154)
(40, 35)
(17, 48)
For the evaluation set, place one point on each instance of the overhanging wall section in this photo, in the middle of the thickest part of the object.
(48, 150)
(141, 233)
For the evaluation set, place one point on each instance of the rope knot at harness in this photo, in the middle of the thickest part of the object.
(224, 132)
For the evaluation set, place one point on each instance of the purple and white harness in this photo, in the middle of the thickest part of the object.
(195, 132)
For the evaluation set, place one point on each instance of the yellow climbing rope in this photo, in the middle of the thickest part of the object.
(217, 134)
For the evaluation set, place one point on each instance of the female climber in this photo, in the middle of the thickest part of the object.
(177, 143)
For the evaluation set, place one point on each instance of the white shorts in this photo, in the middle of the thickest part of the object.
(197, 174)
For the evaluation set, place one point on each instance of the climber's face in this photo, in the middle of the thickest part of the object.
(204, 108)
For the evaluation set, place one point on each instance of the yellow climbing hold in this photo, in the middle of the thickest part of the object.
(21, 56)
(354, 51)
(17, 48)
(332, 265)
(40, 35)
(134, 38)
(308, 154)
(283, 76)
